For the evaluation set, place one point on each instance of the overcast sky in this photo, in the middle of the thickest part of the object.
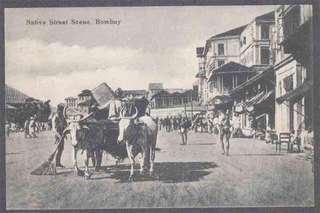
(150, 45)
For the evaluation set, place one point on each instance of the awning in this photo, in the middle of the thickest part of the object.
(229, 68)
(224, 105)
(220, 102)
(218, 99)
(265, 97)
(253, 100)
(249, 105)
(297, 93)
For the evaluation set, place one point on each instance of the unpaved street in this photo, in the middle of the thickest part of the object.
(195, 175)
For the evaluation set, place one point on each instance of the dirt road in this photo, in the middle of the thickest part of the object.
(195, 175)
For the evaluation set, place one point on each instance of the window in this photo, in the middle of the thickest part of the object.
(215, 82)
(299, 75)
(264, 31)
(244, 40)
(264, 55)
(220, 49)
(288, 83)
(211, 86)
(220, 63)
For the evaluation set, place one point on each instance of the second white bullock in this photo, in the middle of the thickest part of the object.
(140, 136)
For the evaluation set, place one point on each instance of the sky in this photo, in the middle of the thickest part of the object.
(149, 45)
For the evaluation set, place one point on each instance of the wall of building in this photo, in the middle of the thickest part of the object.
(231, 52)
(252, 43)
(289, 116)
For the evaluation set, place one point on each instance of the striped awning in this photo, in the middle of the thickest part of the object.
(297, 93)
(256, 100)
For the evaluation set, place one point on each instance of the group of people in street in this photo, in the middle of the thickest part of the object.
(211, 122)
(169, 123)
(32, 127)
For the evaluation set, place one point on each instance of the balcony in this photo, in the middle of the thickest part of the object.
(291, 21)
(297, 33)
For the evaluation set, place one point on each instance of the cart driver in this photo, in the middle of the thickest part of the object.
(114, 106)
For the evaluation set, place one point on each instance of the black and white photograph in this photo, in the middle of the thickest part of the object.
(159, 107)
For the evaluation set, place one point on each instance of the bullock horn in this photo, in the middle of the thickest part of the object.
(84, 118)
(65, 114)
(135, 114)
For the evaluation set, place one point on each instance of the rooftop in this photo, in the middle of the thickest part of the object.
(233, 32)
(269, 16)
(155, 86)
(14, 96)
(136, 92)
(71, 98)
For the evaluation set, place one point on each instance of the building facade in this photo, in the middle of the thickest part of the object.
(255, 100)
(72, 102)
(132, 94)
(172, 98)
(292, 43)
(85, 101)
(219, 50)
(255, 42)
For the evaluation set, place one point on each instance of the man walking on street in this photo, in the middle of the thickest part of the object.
(27, 128)
(225, 131)
(58, 125)
(184, 126)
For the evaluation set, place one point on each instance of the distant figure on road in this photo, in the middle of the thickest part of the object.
(168, 124)
(32, 128)
(58, 125)
(184, 126)
(26, 128)
(7, 128)
(225, 130)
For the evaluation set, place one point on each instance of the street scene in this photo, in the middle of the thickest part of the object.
(195, 175)
(178, 111)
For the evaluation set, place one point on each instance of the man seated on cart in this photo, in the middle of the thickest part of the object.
(113, 107)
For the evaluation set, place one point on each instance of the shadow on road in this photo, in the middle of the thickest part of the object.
(258, 154)
(196, 144)
(167, 172)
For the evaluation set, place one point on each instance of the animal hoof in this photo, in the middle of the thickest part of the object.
(142, 172)
(87, 176)
(131, 178)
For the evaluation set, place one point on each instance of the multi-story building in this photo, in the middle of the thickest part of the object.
(201, 74)
(85, 101)
(154, 88)
(72, 102)
(254, 99)
(292, 43)
(255, 42)
(219, 50)
(131, 94)
(170, 98)
(226, 78)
